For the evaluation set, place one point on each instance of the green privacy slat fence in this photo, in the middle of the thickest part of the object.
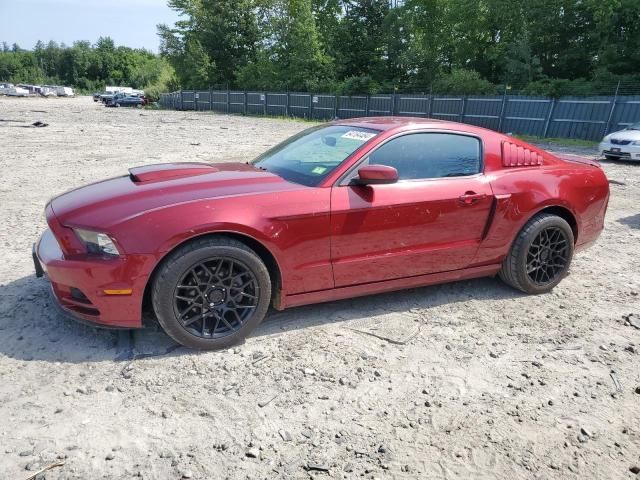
(587, 118)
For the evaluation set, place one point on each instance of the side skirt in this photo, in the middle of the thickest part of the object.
(320, 296)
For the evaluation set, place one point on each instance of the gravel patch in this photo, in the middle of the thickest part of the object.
(487, 382)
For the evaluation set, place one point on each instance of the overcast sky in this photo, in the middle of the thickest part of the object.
(128, 22)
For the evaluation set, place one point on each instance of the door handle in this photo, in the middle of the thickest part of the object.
(471, 198)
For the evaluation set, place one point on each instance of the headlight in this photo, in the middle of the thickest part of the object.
(97, 242)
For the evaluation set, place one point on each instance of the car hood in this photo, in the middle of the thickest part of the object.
(104, 204)
(625, 135)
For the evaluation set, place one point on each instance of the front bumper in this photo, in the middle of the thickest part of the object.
(623, 152)
(79, 283)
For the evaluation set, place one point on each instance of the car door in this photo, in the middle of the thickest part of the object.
(430, 221)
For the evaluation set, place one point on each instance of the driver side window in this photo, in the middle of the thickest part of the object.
(430, 155)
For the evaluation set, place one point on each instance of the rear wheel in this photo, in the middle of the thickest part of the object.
(540, 255)
(211, 293)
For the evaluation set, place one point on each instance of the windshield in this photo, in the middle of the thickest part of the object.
(634, 126)
(310, 156)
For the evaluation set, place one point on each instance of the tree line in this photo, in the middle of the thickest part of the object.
(541, 47)
(87, 67)
(549, 47)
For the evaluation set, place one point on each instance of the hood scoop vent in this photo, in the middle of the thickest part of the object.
(169, 171)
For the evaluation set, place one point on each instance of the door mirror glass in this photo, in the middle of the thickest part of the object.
(376, 175)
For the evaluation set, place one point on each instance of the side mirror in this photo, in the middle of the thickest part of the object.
(376, 175)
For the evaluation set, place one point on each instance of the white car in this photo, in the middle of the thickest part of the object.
(17, 92)
(622, 145)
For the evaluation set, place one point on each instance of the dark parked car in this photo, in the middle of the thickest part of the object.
(124, 100)
(103, 97)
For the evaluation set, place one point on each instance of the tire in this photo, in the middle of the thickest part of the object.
(117, 105)
(219, 261)
(611, 157)
(519, 267)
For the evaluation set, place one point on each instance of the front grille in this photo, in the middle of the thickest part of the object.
(617, 154)
(617, 141)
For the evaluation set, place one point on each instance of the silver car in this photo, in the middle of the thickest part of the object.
(622, 145)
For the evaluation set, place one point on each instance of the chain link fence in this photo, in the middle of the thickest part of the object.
(586, 118)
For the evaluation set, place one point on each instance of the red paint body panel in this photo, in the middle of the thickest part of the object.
(405, 229)
(388, 286)
(377, 174)
(165, 171)
(91, 276)
(329, 242)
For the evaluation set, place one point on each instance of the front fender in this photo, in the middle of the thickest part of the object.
(293, 227)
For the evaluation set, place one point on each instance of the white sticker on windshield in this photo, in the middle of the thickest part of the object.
(358, 135)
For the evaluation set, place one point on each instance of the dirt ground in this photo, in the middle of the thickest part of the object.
(466, 380)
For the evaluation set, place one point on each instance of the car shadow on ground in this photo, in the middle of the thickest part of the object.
(632, 221)
(618, 161)
(392, 306)
(33, 328)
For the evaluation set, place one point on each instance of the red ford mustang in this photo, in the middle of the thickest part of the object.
(349, 208)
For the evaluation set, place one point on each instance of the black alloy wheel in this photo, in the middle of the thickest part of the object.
(215, 297)
(211, 292)
(540, 255)
(547, 256)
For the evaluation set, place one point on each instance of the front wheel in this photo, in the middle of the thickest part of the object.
(211, 293)
(540, 255)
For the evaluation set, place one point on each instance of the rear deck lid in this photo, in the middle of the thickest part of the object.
(570, 157)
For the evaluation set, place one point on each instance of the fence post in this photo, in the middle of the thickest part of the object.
(547, 124)
(335, 106)
(430, 105)
(503, 107)
(393, 103)
(245, 102)
(463, 108)
(366, 106)
(311, 106)
(286, 105)
(181, 100)
(614, 103)
(228, 101)
(264, 104)
(210, 99)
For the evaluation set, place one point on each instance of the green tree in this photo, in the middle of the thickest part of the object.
(360, 40)
(552, 47)
(223, 33)
(86, 67)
